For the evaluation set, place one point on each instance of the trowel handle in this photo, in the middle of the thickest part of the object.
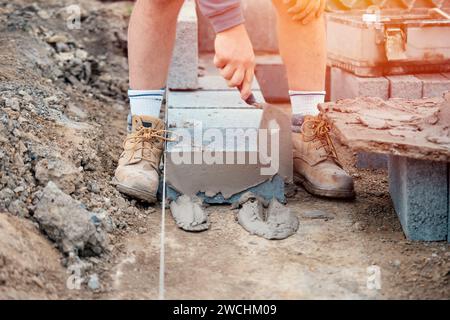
(251, 100)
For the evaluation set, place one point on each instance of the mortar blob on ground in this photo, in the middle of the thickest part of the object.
(274, 222)
(188, 214)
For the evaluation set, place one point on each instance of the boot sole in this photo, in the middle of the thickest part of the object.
(339, 194)
(136, 193)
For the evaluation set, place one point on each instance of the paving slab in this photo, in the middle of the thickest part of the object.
(397, 127)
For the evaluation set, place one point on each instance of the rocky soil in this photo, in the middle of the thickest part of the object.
(65, 231)
(62, 121)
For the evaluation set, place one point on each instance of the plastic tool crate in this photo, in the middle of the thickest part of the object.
(371, 42)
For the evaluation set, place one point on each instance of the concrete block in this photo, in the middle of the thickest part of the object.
(346, 85)
(368, 160)
(218, 83)
(419, 191)
(260, 20)
(405, 86)
(271, 74)
(210, 100)
(217, 153)
(214, 118)
(183, 72)
(434, 84)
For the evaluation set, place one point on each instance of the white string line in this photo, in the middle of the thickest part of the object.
(163, 236)
(162, 253)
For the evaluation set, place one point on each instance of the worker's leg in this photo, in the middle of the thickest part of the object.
(151, 38)
(302, 47)
(303, 50)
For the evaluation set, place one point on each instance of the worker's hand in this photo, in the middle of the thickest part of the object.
(305, 10)
(235, 58)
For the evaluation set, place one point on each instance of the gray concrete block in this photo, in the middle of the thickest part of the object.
(218, 150)
(210, 100)
(434, 84)
(214, 118)
(218, 83)
(271, 74)
(405, 86)
(419, 191)
(346, 85)
(183, 71)
(368, 160)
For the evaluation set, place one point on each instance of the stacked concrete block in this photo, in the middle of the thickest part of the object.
(184, 68)
(347, 85)
(405, 86)
(434, 84)
(344, 85)
(420, 193)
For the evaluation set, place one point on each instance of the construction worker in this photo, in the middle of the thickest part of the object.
(301, 34)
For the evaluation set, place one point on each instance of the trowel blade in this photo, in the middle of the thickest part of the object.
(272, 115)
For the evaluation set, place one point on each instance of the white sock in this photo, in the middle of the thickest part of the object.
(146, 102)
(305, 102)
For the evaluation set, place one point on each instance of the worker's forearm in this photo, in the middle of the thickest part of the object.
(223, 14)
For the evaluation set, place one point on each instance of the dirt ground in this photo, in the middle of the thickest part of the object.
(73, 109)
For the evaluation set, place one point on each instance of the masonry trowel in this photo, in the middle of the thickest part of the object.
(274, 117)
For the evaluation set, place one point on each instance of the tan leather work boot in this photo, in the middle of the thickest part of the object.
(137, 174)
(316, 164)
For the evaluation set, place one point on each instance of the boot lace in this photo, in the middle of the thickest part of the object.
(151, 136)
(320, 131)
